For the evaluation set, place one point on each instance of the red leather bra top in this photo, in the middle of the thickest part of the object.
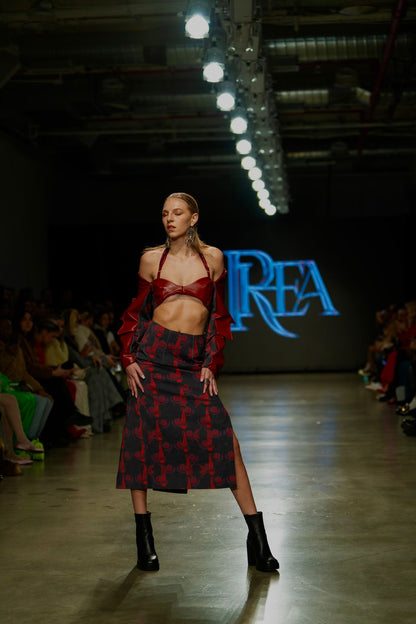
(201, 288)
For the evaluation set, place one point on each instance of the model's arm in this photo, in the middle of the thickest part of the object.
(130, 323)
(218, 325)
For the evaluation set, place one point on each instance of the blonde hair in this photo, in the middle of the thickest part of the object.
(192, 204)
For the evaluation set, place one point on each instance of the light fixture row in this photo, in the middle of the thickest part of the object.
(240, 78)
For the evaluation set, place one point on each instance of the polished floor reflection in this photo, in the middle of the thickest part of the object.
(331, 470)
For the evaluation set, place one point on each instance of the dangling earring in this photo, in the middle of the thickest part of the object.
(190, 236)
(167, 243)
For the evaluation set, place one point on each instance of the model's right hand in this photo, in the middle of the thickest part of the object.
(134, 373)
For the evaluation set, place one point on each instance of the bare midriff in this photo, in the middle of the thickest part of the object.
(182, 313)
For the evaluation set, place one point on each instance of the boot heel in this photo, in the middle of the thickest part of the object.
(147, 558)
(258, 550)
(251, 554)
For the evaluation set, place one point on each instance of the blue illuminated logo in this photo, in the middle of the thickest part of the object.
(284, 289)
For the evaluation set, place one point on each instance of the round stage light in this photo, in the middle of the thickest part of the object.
(238, 123)
(243, 146)
(248, 162)
(255, 173)
(258, 185)
(270, 210)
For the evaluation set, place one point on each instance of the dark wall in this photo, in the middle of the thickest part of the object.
(357, 228)
(24, 220)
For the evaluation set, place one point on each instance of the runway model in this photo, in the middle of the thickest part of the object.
(177, 434)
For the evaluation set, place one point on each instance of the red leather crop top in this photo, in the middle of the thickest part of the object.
(201, 288)
(139, 314)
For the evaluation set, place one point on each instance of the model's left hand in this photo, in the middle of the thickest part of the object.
(208, 381)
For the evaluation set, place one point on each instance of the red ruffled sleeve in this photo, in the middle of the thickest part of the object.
(135, 321)
(218, 328)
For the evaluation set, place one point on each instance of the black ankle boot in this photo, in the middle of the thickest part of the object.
(146, 556)
(258, 551)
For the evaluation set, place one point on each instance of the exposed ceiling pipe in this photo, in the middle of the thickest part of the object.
(97, 12)
(321, 97)
(235, 158)
(284, 17)
(398, 15)
(179, 160)
(318, 154)
(82, 50)
(132, 131)
(316, 49)
(348, 125)
(68, 51)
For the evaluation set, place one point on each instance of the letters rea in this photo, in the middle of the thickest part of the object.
(273, 296)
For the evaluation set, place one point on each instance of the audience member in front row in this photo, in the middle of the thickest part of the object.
(57, 355)
(88, 342)
(393, 361)
(12, 426)
(59, 428)
(104, 396)
(103, 332)
(34, 402)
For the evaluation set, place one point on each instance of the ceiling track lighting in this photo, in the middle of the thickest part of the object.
(248, 163)
(258, 185)
(198, 19)
(238, 122)
(233, 49)
(214, 59)
(244, 145)
(255, 173)
(226, 96)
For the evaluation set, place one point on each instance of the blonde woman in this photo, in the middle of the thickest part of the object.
(177, 433)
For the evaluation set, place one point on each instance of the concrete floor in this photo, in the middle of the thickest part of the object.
(331, 470)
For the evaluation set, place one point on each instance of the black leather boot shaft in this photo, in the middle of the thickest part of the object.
(146, 555)
(258, 551)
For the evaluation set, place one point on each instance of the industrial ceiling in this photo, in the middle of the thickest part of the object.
(116, 88)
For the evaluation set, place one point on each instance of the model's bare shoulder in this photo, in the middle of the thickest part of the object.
(149, 263)
(215, 259)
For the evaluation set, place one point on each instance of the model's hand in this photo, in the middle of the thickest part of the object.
(134, 374)
(208, 381)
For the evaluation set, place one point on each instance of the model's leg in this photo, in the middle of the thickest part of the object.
(139, 500)
(242, 493)
(146, 555)
(258, 550)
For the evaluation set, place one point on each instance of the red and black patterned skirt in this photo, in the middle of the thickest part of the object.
(175, 437)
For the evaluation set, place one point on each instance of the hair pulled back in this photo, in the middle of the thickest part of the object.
(192, 205)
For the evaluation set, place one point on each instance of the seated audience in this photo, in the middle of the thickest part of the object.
(12, 426)
(391, 362)
(63, 426)
(105, 400)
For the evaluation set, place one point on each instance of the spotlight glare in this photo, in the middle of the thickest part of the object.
(265, 203)
(258, 185)
(248, 163)
(270, 210)
(238, 125)
(243, 146)
(225, 101)
(263, 193)
(255, 173)
(213, 72)
(197, 26)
